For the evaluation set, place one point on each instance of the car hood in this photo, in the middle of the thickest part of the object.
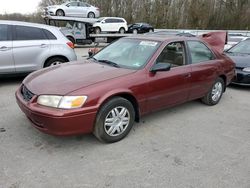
(241, 60)
(64, 79)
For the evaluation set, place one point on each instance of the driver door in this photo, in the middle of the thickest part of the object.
(171, 87)
(6, 50)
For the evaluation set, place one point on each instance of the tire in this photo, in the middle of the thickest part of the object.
(60, 13)
(123, 114)
(71, 39)
(122, 30)
(151, 31)
(215, 93)
(91, 15)
(54, 61)
(98, 30)
(135, 31)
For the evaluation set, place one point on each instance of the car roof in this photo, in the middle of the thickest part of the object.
(10, 22)
(162, 38)
(112, 18)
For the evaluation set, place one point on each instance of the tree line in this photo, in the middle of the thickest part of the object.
(169, 14)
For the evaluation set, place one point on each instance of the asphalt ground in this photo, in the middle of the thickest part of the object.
(190, 146)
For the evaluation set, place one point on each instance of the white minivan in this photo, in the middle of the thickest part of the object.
(26, 47)
(110, 24)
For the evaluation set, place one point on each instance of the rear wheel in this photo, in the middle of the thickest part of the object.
(122, 30)
(91, 15)
(151, 31)
(54, 61)
(114, 120)
(214, 95)
(60, 13)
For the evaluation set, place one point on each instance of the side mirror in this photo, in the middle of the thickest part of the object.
(103, 21)
(160, 67)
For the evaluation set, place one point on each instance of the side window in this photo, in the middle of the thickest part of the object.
(173, 54)
(74, 4)
(49, 35)
(3, 32)
(29, 33)
(108, 21)
(199, 52)
(82, 4)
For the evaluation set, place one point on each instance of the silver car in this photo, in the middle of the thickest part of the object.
(79, 9)
(26, 47)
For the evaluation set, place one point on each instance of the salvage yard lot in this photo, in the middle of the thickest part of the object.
(191, 145)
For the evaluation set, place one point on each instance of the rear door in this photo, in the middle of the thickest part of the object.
(30, 48)
(83, 9)
(170, 87)
(204, 65)
(6, 56)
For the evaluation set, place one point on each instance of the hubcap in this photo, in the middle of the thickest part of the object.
(117, 121)
(56, 63)
(217, 91)
(91, 15)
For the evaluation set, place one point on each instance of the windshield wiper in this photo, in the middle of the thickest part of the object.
(109, 63)
(92, 58)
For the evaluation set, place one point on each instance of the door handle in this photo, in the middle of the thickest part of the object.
(44, 45)
(187, 75)
(4, 48)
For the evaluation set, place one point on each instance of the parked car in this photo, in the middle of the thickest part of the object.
(240, 54)
(233, 40)
(140, 28)
(129, 78)
(26, 47)
(110, 24)
(80, 9)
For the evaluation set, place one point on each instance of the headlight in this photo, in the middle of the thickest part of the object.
(63, 102)
(247, 69)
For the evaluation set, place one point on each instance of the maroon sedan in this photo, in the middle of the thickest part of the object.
(132, 77)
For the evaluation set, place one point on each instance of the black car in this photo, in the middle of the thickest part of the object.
(240, 54)
(140, 28)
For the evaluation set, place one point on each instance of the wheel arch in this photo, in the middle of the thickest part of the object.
(126, 95)
(55, 56)
(60, 9)
(225, 81)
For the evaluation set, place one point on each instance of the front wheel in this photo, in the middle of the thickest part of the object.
(214, 95)
(114, 120)
(135, 31)
(97, 30)
(60, 13)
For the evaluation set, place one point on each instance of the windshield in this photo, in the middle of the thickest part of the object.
(241, 48)
(100, 19)
(128, 53)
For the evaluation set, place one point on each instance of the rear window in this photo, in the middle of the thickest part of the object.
(3, 32)
(29, 33)
(49, 35)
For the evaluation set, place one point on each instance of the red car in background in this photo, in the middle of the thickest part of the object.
(129, 78)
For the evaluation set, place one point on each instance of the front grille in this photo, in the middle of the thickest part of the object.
(27, 95)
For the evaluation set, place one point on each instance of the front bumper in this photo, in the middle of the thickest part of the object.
(242, 78)
(57, 121)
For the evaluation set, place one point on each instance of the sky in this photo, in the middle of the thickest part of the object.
(18, 6)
